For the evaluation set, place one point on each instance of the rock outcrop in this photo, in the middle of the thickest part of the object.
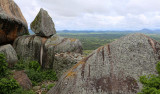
(112, 69)
(31, 47)
(10, 53)
(43, 24)
(41, 49)
(23, 80)
(64, 61)
(62, 45)
(12, 22)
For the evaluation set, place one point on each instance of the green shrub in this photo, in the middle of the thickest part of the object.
(49, 75)
(34, 65)
(35, 76)
(50, 86)
(20, 65)
(3, 65)
(7, 86)
(151, 83)
(22, 91)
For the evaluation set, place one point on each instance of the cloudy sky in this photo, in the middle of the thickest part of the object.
(96, 14)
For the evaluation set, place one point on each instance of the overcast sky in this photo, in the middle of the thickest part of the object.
(96, 14)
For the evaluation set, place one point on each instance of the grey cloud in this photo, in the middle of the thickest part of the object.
(96, 14)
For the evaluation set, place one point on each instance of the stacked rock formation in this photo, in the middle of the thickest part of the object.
(43, 24)
(112, 69)
(43, 46)
(12, 25)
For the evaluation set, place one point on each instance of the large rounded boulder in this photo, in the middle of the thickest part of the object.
(31, 47)
(12, 22)
(61, 44)
(112, 69)
(10, 54)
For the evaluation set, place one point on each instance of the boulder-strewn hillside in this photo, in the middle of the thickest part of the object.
(12, 22)
(112, 69)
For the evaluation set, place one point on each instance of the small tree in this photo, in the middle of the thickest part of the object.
(3, 65)
(151, 83)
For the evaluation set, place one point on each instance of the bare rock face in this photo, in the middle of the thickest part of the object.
(31, 47)
(23, 79)
(43, 24)
(112, 69)
(10, 53)
(12, 22)
(43, 50)
(62, 45)
(64, 61)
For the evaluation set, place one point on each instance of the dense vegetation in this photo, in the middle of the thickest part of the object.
(151, 83)
(36, 74)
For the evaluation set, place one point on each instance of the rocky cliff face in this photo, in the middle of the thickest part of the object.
(12, 22)
(112, 69)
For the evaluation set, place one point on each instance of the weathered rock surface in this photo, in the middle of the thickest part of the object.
(22, 79)
(31, 47)
(12, 22)
(43, 50)
(64, 61)
(43, 24)
(10, 53)
(112, 69)
(61, 44)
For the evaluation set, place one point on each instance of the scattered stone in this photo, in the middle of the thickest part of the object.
(12, 22)
(10, 54)
(35, 88)
(112, 69)
(43, 24)
(23, 80)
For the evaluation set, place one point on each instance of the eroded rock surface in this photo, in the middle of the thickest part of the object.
(61, 44)
(12, 22)
(43, 50)
(31, 47)
(64, 61)
(112, 69)
(10, 54)
(43, 24)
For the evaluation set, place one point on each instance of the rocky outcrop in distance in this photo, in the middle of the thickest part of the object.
(12, 22)
(43, 24)
(112, 69)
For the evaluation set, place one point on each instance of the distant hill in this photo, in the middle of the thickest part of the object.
(145, 31)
